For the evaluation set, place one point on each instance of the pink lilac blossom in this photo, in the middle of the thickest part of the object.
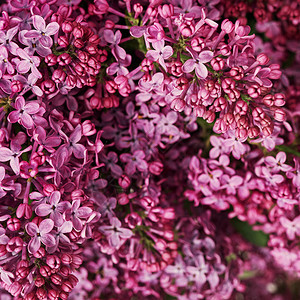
(111, 184)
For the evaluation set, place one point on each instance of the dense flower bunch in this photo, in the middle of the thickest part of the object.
(148, 149)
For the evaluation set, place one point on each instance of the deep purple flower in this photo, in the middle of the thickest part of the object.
(134, 161)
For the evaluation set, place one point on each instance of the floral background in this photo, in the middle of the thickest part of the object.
(149, 149)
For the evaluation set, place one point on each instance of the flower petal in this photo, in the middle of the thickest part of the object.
(48, 240)
(34, 245)
(189, 66)
(39, 23)
(31, 229)
(52, 28)
(46, 226)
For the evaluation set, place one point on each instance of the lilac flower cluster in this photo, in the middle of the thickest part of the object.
(112, 185)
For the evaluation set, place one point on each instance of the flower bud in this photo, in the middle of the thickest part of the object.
(279, 115)
(64, 271)
(39, 281)
(109, 24)
(124, 182)
(64, 59)
(267, 130)
(241, 133)
(13, 224)
(53, 295)
(220, 126)
(209, 116)
(45, 271)
(48, 86)
(53, 262)
(63, 295)
(166, 10)
(67, 286)
(217, 63)
(67, 26)
(51, 60)
(227, 26)
(268, 100)
(30, 296)
(253, 132)
(133, 220)
(178, 104)
(56, 279)
(41, 293)
(63, 41)
(156, 167)
(123, 199)
(78, 43)
(66, 258)
(78, 32)
(73, 280)
(262, 59)
(279, 99)
(16, 86)
(22, 272)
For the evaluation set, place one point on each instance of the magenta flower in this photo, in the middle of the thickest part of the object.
(73, 145)
(231, 183)
(28, 63)
(3, 186)
(277, 164)
(134, 161)
(29, 84)
(114, 40)
(4, 63)
(198, 273)
(218, 146)
(23, 112)
(197, 63)
(6, 39)
(60, 236)
(33, 44)
(161, 53)
(6, 276)
(211, 178)
(115, 233)
(48, 142)
(12, 155)
(110, 161)
(42, 31)
(292, 227)
(55, 208)
(40, 234)
(166, 124)
(75, 213)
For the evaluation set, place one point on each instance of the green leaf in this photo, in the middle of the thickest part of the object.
(255, 237)
(287, 149)
(247, 274)
(169, 297)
